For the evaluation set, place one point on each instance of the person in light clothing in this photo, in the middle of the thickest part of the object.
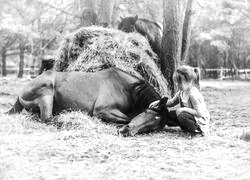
(192, 115)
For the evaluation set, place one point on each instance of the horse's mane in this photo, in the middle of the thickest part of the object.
(144, 94)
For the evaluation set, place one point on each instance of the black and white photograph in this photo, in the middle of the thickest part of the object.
(124, 89)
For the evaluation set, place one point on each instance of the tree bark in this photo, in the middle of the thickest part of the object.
(88, 9)
(186, 31)
(3, 54)
(105, 12)
(171, 41)
(21, 62)
(115, 14)
(89, 4)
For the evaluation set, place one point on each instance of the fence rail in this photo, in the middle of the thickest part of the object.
(26, 71)
(226, 73)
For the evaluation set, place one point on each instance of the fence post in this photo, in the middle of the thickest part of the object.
(221, 73)
(32, 71)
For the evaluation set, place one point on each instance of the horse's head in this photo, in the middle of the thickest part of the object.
(149, 120)
(128, 24)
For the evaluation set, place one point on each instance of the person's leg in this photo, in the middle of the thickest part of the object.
(172, 119)
(187, 122)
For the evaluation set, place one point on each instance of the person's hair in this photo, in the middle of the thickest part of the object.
(189, 73)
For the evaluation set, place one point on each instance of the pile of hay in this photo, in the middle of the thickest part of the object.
(92, 49)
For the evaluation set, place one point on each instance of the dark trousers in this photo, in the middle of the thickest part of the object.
(185, 120)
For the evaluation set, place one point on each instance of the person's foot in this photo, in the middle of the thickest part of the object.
(185, 130)
(197, 134)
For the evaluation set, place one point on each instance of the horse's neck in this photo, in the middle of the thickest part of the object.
(146, 21)
(144, 95)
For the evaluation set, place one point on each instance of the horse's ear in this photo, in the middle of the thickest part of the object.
(136, 17)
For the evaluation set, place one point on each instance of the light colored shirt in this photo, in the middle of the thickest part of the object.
(194, 99)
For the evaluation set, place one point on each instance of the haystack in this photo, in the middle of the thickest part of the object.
(92, 49)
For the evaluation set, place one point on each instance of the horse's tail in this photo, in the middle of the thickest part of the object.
(17, 108)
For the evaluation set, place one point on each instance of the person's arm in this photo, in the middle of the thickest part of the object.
(170, 103)
(173, 101)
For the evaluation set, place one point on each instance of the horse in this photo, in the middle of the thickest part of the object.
(111, 94)
(149, 29)
(47, 64)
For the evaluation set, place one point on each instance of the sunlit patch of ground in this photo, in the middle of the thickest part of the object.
(86, 148)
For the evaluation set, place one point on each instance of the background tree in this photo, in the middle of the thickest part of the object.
(172, 38)
(186, 31)
(105, 12)
(7, 39)
(219, 29)
(88, 13)
(221, 35)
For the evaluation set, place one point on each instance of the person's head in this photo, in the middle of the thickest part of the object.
(185, 77)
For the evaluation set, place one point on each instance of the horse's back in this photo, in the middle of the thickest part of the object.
(79, 90)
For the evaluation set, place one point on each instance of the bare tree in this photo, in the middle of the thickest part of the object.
(171, 41)
(3, 57)
(186, 31)
(89, 16)
(115, 14)
(7, 40)
(21, 60)
(105, 12)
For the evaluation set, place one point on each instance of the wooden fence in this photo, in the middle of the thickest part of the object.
(32, 71)
(225, 73)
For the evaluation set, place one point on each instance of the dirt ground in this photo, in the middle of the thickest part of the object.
(86, 148)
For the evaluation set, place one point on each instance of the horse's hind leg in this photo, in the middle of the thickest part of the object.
(46, 107)
(17, 108)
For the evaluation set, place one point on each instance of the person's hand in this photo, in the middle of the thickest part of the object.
(154, 104)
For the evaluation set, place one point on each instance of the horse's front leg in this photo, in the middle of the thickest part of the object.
(111, 115)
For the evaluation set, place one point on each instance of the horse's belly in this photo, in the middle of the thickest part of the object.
(74, 99)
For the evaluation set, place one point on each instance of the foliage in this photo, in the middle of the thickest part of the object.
(35, 25)
(221, 35)
(220, 32)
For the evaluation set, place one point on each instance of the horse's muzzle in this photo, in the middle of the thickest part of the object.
(124, 131)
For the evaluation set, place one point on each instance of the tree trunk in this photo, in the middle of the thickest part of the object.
(115, 14)
(171, 41)
(89, 4)
(105, 12)
(88, 9)
(21, 62)
(186, 31)
(3, 53)
(225, 64)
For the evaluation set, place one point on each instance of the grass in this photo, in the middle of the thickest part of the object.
(86, 148)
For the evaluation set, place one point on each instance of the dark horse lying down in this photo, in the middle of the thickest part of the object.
(112, 95)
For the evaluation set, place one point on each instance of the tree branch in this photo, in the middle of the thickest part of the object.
(58, 9)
